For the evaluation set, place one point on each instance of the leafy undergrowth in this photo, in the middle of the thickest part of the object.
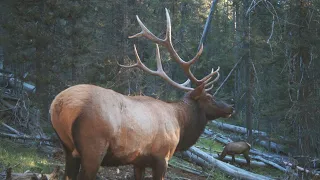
(21, 157)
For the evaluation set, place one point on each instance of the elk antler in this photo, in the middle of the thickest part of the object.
(186, 65)
(159, 71)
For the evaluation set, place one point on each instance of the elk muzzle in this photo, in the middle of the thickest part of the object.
(225, 110)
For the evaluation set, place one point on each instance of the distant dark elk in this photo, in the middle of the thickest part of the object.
(234, 148)
(99, 126)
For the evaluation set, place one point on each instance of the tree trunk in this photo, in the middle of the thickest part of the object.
(300, 84)
(249, 74)
(42, 69)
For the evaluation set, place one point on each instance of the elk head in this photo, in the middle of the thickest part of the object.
(212, 107)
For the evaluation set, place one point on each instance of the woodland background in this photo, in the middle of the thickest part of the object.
(54, 44)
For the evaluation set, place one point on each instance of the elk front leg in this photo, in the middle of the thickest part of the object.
(138, 172)
(222, 155)
(246, 156)
(233, 159)
(159, 169)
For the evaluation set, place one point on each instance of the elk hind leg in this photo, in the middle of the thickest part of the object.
(92, 152)
(72, 165)
(91, 146)
(139, 172)
(90, 163)
(159, 169)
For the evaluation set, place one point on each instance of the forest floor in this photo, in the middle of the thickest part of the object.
(21, 158)
(28, 156)
(126, 172)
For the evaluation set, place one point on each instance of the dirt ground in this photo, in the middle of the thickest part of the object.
(126, 173)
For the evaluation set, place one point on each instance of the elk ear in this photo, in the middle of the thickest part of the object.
(197, 92)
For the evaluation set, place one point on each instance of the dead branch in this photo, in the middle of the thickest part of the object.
(25, 137)
(5, 96)
(234, 67)
(11, 129)
(7, 104)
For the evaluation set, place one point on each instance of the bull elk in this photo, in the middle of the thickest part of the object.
(100, 127)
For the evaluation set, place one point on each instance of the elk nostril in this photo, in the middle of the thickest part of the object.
(233, 109)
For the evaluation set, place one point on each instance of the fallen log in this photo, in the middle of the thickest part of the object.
(277, 166)
(187, 169)
(272, 145)
(27, 176)
(225, 167)
(16, 83)
(237, 160)
(55, 175)
(188, 156)
(240, 161)
(237, 129)
(315, 173)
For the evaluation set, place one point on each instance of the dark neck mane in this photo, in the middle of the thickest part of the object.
(192, 121)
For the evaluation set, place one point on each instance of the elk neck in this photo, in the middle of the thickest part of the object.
(192, 121)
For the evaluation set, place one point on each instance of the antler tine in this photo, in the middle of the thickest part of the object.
(159, 71)
(208, 77)
(211, 82)
(139, 63)
(162, 74)
(146, 33)
(186, 83)
(168, 32)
